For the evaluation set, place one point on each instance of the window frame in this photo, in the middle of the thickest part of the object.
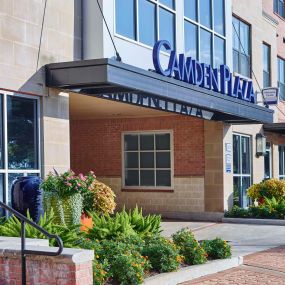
(281, 176)
(281, 96)
(152, 132)
(25, 172)
(240, 52)
(269, 151)
(241, 175)
(269, 62)
(158, 5)
(276, 8)
(212, 31)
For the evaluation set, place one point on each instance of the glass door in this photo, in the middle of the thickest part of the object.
(268, 162)
(241, 169)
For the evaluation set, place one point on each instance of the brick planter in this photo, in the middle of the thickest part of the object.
(73, 267)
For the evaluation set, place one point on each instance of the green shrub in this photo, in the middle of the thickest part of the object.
(129, 268)
(100, 272)
(162, 254)
(189, 247)
(269, 188)
(217, 248)
(123, 224)
(237, 212)
(71, 236)
(125, 262)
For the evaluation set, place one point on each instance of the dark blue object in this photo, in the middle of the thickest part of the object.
(27, 195)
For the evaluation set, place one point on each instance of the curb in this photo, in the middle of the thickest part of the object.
(193, 272)
(273, 222)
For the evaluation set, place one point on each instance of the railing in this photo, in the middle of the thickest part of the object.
(25, 251)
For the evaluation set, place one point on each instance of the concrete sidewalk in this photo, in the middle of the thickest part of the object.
(263, 268)
(244, 238)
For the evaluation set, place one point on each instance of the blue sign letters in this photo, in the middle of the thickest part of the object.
(192, 71)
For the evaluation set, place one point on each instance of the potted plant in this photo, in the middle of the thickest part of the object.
(62, 192)
(97, 197)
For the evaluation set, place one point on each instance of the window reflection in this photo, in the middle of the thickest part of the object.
(219, 20)
(147, 34)
(22, 133)
(205, 13)
(1, 133)
(206, 47)
(190, 9)
(191, 40)
(168, 3)
(167, 26)
(125, 18)
(219, 54)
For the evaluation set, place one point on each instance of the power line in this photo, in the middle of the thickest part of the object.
(42, 27)
(118, 57)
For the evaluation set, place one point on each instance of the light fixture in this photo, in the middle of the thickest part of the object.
(260, 144)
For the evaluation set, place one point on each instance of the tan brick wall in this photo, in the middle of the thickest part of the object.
(55, 132)
(20, 28)
(188, 196)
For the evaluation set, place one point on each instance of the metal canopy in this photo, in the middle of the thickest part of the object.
(275, 128)
(99, 77)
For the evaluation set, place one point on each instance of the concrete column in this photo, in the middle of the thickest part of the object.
(214, 180)
(55, 132)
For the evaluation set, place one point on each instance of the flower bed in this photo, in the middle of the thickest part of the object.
(269, 201)
(128, 246)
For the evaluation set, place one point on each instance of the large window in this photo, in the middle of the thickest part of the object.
(241, 48)
(146, 21)
(147, 160)
(268, 162)
(19, 140)
(281, 77)
(281, 162)
(266, 66)
(241, 169)
(279, 7)
(204, 31)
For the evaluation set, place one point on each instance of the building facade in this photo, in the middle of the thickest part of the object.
(197, 156)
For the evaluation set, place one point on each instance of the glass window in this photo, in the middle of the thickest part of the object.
(167, 26)
(150, 164)
(1, 187)
(279, 7)
(266, 66)
(281, 162)
(147, 29)
(281, 77)
(205, 13)
(219, 16)
(191, 40)
(219, 52)
(205, 47)
(190, 9)
(126, 18)
(21, 119)
(22, 133)
(267, 162)
(1, 133)
(241, 169)
(241, 47)
(168, 3)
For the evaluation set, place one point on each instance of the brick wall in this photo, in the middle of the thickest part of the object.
(43, 270)
(96, 144)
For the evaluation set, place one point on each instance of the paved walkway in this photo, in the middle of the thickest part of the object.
(262, 268)
(244, 239)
